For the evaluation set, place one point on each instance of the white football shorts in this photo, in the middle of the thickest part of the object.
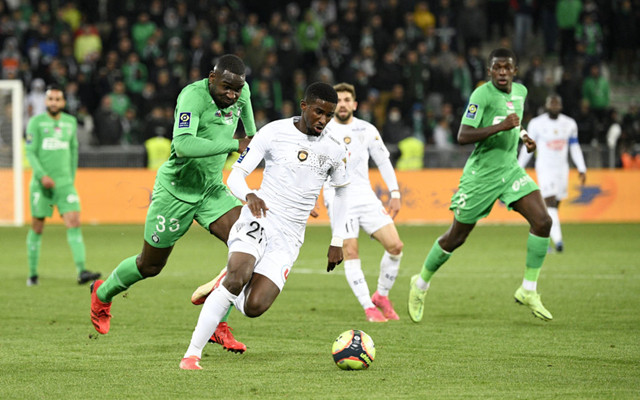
(553, 183)
(370, 216)
(275, 252)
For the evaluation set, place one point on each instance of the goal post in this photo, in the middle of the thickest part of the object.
(11, 154)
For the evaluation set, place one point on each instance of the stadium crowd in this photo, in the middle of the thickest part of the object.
(413, 63)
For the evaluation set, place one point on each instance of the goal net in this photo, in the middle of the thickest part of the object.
(11, 154)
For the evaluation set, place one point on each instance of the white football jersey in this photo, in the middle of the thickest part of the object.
(552, 137)
(363, 141)
(296, 167)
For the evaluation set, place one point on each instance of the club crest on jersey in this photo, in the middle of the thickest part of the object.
(184, 120)
(510, 106)
(347, 139)
(303, 155)
(472, 111)
(155, 238)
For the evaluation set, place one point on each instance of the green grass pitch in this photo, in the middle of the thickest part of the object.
(474, 342)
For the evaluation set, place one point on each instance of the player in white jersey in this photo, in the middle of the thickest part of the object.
(365, 210)
(556, 135)
(265, 241)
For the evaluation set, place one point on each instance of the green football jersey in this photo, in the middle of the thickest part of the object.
(197, 114)
(488, 106)
(52, 147)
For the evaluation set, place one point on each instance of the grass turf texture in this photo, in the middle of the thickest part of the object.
(474, 341)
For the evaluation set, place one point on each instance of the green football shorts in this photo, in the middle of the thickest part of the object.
(43, 200)
(169, 218)
(476, 196)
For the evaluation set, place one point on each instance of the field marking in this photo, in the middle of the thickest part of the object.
(320, 271)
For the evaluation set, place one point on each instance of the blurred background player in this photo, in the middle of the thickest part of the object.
(265, 241)
(189, 185)
(492, 122)
(365, 210)
(52, 151)
(556, 135)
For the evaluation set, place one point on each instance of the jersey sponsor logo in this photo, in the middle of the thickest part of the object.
(227, 118)
(184, 120)
(498, 119)
(472, 111)
(51, 143)
(303, 155)
(347, 139)
(244, 153)
(556, 145)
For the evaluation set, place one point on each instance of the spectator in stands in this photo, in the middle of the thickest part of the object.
(131, 127)
(156, 124)
(88, 44)
(587, 124)
(108, 125)
(310, 33)
(393, 131)
(135, 75)
(472, 25)
(595, 89)
(423, 17)
(568, 18)
(589, 38)
(626, 41)
(34, 101)
(141, 31)
(536, 79)
(120, 101)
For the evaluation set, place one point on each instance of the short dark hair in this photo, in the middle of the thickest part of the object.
(322, 91)
(55, 86)
(231, 63)
(502, 52)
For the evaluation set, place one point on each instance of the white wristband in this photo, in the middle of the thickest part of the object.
(336, 241)
(395, 194)
(522, 133)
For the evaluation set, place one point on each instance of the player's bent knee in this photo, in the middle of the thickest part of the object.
(396, 248)
(253, 308)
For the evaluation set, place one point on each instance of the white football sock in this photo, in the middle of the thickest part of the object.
(214, 308)
(529, 285)
(556, 232)
(389, 266)
(239, 302)
(421, 284)
(355, 277)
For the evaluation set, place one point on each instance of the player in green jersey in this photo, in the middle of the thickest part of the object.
(52, 151)
(492, 122)
(189, 185)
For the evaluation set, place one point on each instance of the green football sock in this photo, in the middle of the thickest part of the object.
(34, 240)
(434, 260)
(536, 252)
(76, 243)
(125, 275)
(226, 316)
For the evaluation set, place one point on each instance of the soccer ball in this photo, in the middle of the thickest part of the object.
(353, 349)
